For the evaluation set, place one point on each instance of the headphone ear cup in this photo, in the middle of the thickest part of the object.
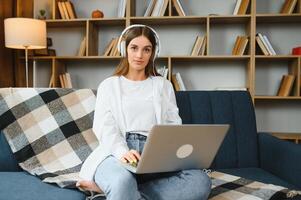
(122, 48)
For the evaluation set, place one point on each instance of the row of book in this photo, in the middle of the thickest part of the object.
(111, 48)
(199, 47)
(265, 44)
(121, 8)
(286, 85)
(163, 71)
(66, 9)
(288, 7)
(177, 82)
(241, 7)
(82, 47)
(65, 80)
(156, 8)
(240, 45)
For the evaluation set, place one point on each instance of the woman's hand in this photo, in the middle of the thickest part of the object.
(132, 156)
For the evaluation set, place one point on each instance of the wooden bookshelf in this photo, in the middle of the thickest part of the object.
(99, 31)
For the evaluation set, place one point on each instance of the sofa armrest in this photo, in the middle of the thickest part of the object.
(281, 158)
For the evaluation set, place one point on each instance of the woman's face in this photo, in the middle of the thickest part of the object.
(139, 52)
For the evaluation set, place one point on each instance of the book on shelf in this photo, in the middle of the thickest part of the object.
(121, 8)
(265, 45)
(61, 10)
(199, 46)
(82, 48)
(178, 7)
(159, 8)
(269, 45)
(70, 9)
(288, 6)
(65, 10)
(241, 7)
(108, 48)
(240, 45)
(51, 82)
(180, 80)
(286, 85)
(238, 2)
(175, 82)
(150, 8)
(202, 51)
(163, 71)
(114, 51)
(65, 80)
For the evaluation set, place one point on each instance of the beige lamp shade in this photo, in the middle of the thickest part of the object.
(21, 33)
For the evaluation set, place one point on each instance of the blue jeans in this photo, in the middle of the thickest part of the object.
(120, 184)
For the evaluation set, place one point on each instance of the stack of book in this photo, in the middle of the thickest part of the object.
(65, 80)
(286, 85)
(82, 48)
(199, 46)
(163, 71)
(111, 48)
(240, 45)
(288, 7)
(66, 10)
(156, 8)
(177, 82)
(265, 45)
(178, 7)
(241, 7)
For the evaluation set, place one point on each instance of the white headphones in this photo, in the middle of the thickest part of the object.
(122, 46)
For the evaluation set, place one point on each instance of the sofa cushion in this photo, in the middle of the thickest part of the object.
(240, 147)
(258, 174)
(7, 160)
(21, 185)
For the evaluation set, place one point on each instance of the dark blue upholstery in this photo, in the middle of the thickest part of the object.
(21, 185)
(7, 160)
(239, 148)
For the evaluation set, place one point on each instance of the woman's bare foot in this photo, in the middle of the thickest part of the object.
(89, 186)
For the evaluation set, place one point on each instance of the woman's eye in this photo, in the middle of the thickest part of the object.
(147, 50)
(133, 48)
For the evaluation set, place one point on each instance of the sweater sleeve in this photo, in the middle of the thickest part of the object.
(105, 125)
(172, 111)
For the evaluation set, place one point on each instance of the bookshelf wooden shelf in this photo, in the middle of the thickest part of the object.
(169, 20)
(276, 98)
(230, 19)
(278, 18)
(217, 58)
(217, 68)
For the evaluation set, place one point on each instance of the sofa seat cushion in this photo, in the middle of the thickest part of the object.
(258, 174)
(23, 186)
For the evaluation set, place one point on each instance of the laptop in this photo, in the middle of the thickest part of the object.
(178, 147)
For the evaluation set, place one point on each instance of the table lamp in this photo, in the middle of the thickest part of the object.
(25, 33)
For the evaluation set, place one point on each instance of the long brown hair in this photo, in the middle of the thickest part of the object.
(150, 69)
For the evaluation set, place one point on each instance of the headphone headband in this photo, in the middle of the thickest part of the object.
(122, 46)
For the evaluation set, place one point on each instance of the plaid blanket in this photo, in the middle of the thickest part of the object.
(229, 187)
(49, 130)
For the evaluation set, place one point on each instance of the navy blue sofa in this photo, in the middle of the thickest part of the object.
(244, 152)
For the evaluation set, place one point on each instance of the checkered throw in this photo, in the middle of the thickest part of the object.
(49, 130)
(229, 187)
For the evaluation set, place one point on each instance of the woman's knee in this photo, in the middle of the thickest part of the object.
(201, 182)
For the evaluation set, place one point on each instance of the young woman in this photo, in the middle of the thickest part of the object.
(128, 104)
